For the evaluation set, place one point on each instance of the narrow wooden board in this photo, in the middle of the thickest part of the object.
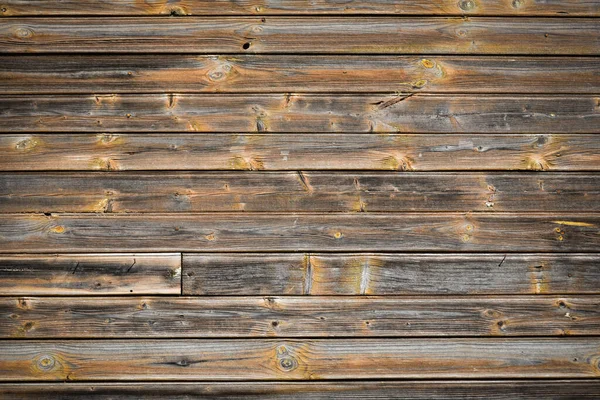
(390, 274)
(286, 113)
(296, 192)
(58, 74)
(331, 35)
(251, 317)
(445, 232)
(88, 274)
(389, 152)
(314, 359)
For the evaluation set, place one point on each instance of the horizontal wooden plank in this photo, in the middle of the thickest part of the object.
(343, 390)
(300, 7)
(296, 191)
(419, 113)
(477, 232)
(332, 35)
(44, 74)
(389, 152)
(264, 359)
(163, 317)
(390, 274)
(89, 274)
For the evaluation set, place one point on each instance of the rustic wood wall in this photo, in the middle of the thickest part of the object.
(302, 199)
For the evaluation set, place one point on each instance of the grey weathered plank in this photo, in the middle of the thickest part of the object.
(390, 274)
(89, 274)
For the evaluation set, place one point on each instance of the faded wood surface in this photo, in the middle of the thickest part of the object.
(419, 113)
(481, 232)
(390, 274)
(89, 274)
(389, 152)
(110, 74)
(331, 35)
(215, 317)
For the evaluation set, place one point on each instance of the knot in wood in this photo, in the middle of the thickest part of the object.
(46, 362)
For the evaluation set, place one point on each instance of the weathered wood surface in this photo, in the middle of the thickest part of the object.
(296, 192)
(390, 274)
(89, 274)
(314, 359)
(419, 113)
(109, 74)
(338, 390)
(215, 317)
(480, 232)
(300, 7)
(389, 152)
(331, 35)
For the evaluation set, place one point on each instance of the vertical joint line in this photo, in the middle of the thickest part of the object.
(364, 279)
(308, 275)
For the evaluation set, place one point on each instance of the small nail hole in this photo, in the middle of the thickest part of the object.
(246, 46)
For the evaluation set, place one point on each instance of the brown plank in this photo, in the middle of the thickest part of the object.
(390, 274)
(296, 192)
(44, 74)
(420, 113)
(213, 317)
(301, 7)
(390, 152)
(331, 35)
(342, 390)
(89, 274)
(205, 232)
(314, 359)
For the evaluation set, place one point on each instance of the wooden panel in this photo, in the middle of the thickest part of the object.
(424, 113)
(481, 232)
(296, 191)
(113, 152)
(389, 274)
(298, 317)
(296, 73)
(89, 274)
(294, 7)
(223, 359)
(333, 35)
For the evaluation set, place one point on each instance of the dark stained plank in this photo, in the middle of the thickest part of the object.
(388, 152)
(206, 232)
(390, 274)
(419, 113)
(314, 359)
(89, 274)
(331, 35)
(300, 7)
(296, 73)
(296, 192)
(214, 317)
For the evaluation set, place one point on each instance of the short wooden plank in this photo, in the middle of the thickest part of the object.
(206, 232)
(390, 274)
(389, 152)
(213, 317)
(109, 74)
(300, 113)
(331, 35)
(296, 192)
(314, 359)
(300, 7)
(89, 274)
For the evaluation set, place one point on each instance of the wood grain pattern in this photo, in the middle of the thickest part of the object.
(419, 113)
(297, 73)
(390, 274)
(389, 152)
(333, 35)
(296, 192)
(215, 317)
(89, 274)
(314, 359)
(477, 232)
